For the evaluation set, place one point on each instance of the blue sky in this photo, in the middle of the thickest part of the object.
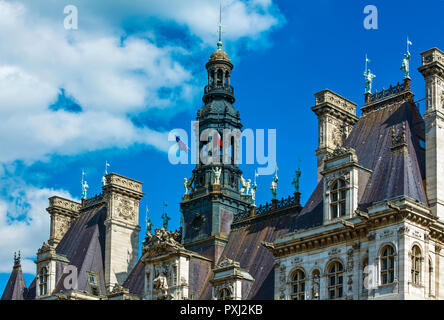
(115, 87)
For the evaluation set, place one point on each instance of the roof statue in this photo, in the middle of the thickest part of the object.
(84, 186)
(165, 217)
(245, 185)
(105, 174)
(274, 183)
(369, 76)
(254, 189)
(217, 172)
(295, 181)
(406, 61)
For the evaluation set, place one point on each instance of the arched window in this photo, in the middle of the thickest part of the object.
(338, 196)
(220, 75)
(416, 265)
(298, 285)
(43, 281)
(224, 294)
(335, 280)
(387, 265)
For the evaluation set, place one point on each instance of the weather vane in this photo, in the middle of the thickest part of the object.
(369, 76)
(405, 67)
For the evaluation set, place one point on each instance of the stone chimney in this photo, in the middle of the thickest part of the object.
(122, 228)
(336, 118)
(63, 213)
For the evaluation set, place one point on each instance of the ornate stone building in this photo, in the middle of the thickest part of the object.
(372, 229)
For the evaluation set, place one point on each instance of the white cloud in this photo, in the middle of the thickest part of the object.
(113, 76)
(24, 224)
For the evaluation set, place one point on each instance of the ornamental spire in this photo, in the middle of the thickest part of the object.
(219, 43)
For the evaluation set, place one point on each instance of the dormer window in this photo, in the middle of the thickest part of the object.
(43, 281)
(93, 284)
(338, 199)
(224, 294)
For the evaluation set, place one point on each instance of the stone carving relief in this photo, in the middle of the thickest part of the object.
(350, 262)
(315, 289)
(126, 209)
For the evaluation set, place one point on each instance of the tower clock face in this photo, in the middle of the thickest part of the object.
(197, 222)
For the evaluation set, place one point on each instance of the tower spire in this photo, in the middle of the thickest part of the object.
(219, 43)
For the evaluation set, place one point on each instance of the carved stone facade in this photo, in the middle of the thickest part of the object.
(230, 281)
(167, 266)
(400, 224)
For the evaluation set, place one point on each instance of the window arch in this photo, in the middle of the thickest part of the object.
(297, 283)
(43, 281)
(335, 275)
(338, 197)
(416, 265)
(224, 294)
(387, 264)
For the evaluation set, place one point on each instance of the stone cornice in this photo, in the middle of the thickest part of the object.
(381, 214)
(63, 206)
(123, 185)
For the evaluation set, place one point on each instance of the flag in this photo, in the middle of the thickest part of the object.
(182, 146)
(409, 42)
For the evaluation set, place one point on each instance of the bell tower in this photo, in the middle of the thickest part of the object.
(215, 197)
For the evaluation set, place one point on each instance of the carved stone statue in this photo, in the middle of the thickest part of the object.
(273, 186)
(185, 184)
(316, 287)
(369, 76)
(217, 172)
(245, 185)
(253, 194)
(295, 181)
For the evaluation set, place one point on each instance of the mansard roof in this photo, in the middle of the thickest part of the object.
(16, 286)
(83, 246)
(387, 140)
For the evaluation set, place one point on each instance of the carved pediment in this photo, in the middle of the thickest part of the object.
(162, 242)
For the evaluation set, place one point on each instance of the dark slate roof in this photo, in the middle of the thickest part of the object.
(84, 246)
(136, 279)
(394, 173)
(245, 246)
(16, 286)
